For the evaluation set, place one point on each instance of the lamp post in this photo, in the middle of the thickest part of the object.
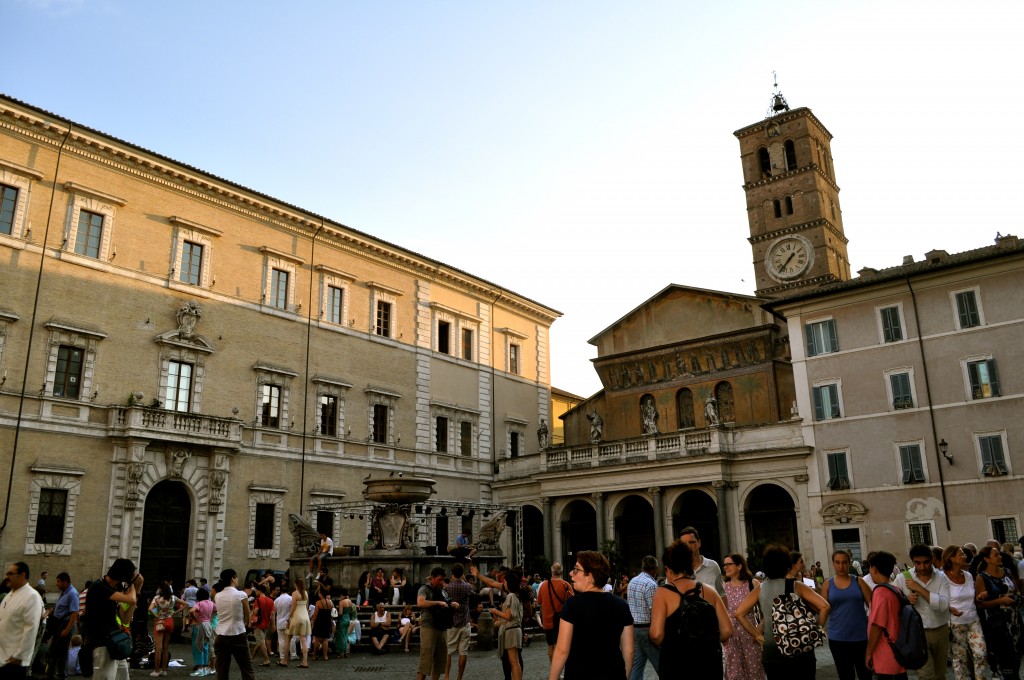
(944, 450)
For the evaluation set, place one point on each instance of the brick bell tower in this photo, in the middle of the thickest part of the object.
(796, 225)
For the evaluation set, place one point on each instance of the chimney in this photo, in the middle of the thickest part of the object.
(1007, 240)
(867, 272)
(936, 256)
(908, 259)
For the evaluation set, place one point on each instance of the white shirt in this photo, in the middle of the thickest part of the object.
(282, 610)
(935, 612)
(229, 612)
(19, 622)
(327, 546)
(961, 597)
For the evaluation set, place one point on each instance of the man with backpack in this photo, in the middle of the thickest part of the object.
(551, 596)
(884, 619)
(928, 591)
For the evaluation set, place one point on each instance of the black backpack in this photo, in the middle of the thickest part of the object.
(910, 646)
(697, 623)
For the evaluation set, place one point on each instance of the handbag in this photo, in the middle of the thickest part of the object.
(119, 644)
(795, 628)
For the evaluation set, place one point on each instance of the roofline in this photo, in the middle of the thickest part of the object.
(781, 118)
(750, 330)
(10, 104)
(564, 393)
(751, 298)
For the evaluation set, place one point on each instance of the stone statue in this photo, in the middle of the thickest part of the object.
(188, 315)
(596, 427)
(307, 540)
(487, 537)
(649, 416)
(176, 461)
(542, 434)
(711, 411)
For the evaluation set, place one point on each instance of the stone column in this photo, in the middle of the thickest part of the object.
(598, 497)
(549, 529)
(659, 520)
(724, 541)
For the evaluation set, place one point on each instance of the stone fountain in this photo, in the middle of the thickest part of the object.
(391, 529)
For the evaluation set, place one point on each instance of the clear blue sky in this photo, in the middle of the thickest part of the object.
(579, 153)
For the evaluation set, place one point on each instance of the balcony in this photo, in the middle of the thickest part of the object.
(163, 425)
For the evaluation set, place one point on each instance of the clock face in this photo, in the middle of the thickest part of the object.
(789, 258)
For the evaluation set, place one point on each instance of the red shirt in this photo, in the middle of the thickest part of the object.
(266, 608)
(551, 595)
(885, 613)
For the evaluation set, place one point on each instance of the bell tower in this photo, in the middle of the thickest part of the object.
(796, 226)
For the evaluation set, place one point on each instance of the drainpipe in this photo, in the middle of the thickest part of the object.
(494, 427)
(305, 377)
(31, 332)
(931, 408)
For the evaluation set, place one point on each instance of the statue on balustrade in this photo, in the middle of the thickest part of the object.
(711, 411)
(596, 428)
(649, 415)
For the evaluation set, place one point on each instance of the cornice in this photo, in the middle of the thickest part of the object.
(19, 169)
(73, 188)
(783, 118)
(803, 226)
(765, 181)
(338, 273)
(802, 283)
(194, 226)
(281, 255)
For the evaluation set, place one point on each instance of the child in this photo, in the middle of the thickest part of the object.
(76, 646)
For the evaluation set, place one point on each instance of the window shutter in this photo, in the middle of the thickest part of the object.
(833, 469)
(915, 456)
(986, 451)
(993, 377)
(832, 338)
(819, 408)
(833, 396)
(905, 464)
(810, 340)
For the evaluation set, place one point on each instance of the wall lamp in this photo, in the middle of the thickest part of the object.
(944, 450)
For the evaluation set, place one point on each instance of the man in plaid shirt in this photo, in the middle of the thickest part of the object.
(459, 591)
(640, 596)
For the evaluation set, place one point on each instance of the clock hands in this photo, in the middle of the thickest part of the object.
(786, 263)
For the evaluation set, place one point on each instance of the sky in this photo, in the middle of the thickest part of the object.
(579, 153)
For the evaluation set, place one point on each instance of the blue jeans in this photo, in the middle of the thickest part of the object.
(643, 651)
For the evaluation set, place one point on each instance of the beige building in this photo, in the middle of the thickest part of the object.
(186, 361)
(908, 383)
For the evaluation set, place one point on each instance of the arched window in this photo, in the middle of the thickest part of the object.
(790, 150)
(726, 405)
(764, 160)
(684, 408)
(778, 207)
(789, 205)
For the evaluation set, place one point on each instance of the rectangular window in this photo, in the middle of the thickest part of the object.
(513, 444)
(467, 344)
(380, 423)
(270, 408)
(911, 464)
(335, 296)
(921, 534)
(53, 504)
(892, 328)
(838, 473)
(263, 533)
(384, 318)
(8, 204)
(967, 309)
(902, 397)
(328, 415)
(68, 379)
(279, 289)
(325, 522)
(821, 338)
(993, 462)
(444, 331)
(179, 386)
(826, 402)
(466, 438)
(191, 263)
(513, 359)
(984, 379)
(441, 435)
(1004, 529)
(90, 232)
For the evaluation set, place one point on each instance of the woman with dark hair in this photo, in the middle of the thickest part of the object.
(966, 639)
(378, 587)
(595, 636)
(510, 633)
(999, 600)
(162, 608)
(363, 589)
(232, 615)
(742, 654)
(202, 632)
(848, 622)
(321, 623)
(776, 564)
(347, 612)
(701, 653)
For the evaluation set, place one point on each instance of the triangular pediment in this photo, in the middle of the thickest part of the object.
(196, 342)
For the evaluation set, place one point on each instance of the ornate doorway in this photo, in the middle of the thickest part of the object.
(697, 509)
(166, 530)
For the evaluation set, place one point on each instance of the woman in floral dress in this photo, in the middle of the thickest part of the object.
(742, 654)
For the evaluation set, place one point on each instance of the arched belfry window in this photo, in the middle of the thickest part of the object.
(778, 207)
(684, 408)
(790, 150)
(789, 205)
(764, 160)
(726, 404)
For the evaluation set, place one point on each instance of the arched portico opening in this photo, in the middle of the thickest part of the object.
(533, 538)
(579, 530)
(696, 509)
(634, 532)
(770, 518)
(166, 530)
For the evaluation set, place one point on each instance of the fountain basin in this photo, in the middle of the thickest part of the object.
(398, 490)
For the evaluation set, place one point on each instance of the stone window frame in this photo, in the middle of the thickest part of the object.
(326, 500)
(917, 522)
(331, 387)
(518, 426)
(72, 335)
(20, 178)
(459, 321)
(271, 495)
(52, 477)
(187, 230)
(6, 319)
(898, 305)
(811, 329)
(909, 370)
(1007, 469)
(456, 415)
(922, 452)
(845, 453)
(386, 397)
(976, 290)
(172, 349)
(993, 371)
(382, 293)
(517, 338)
(826, 382)
(273, 375)
(336, 278)
(276, 259)
(84, 198)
